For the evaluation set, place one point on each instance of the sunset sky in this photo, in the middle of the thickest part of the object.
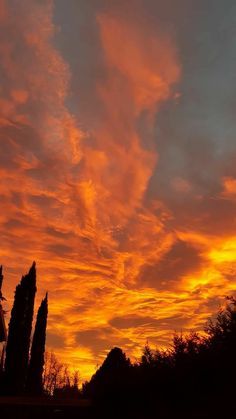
(117, 167)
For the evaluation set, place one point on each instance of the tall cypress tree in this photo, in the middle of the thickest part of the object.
(3, 332)
(35, 383)
(20, 326)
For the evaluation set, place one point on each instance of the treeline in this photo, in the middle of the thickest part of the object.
(198, 373)
(23, 358)
(58, 380)
(25, 368)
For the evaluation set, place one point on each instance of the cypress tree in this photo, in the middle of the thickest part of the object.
(35, 383)
(3, 332)
(20, 326)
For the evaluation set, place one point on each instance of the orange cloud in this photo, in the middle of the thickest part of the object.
(229, 185)
(146, 63)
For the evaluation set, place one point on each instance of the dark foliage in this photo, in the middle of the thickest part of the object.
(70, 389)
(18, 343)
(58, 380)
(109, 380)
(35, 372)
(196, 375)
(3, 332)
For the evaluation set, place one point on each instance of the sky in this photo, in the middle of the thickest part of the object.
(117, 167)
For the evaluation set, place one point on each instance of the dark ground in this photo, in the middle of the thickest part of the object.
(35, 408)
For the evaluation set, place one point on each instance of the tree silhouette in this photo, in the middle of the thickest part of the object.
(194, 378)
(70, 389)
(3, 332)
(20, 326)
(57, 379)
(35, 380)
(108, 381)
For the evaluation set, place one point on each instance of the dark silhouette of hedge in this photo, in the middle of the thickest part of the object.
(196, 375)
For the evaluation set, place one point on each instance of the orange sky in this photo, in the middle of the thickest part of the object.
(131, 243)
